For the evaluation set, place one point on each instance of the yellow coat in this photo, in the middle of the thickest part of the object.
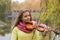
(20, 35)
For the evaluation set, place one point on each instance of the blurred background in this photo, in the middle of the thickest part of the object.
(47, 11)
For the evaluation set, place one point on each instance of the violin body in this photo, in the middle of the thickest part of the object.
(29, 25)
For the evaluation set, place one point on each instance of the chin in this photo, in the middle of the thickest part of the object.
(27, 21)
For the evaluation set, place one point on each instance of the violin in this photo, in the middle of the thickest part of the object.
(40, 28)
(29, 25)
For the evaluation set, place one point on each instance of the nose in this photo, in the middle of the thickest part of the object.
(28, 17)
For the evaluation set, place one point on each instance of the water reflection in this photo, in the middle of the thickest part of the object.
(5, 33)
(4, 30)
(6, 37)
(58, 37)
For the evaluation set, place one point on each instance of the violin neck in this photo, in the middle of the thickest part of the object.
(55, 31)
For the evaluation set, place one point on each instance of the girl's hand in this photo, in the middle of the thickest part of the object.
(34, 24)
(46, 30)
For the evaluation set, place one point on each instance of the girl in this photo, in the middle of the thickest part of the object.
(20, 31)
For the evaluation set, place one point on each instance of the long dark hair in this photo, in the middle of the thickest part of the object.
(20, 16)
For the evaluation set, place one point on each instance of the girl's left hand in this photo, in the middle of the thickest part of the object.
(34, 24)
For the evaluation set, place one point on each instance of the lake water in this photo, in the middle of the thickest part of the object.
(58, 37)
(6, 37)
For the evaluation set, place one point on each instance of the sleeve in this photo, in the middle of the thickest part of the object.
(14, 34)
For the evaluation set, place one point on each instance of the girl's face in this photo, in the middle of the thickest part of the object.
(26, 17)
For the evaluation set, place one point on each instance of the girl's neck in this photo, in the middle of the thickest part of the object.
(23, 22)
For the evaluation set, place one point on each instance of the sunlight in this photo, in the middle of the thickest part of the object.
(20, 1)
